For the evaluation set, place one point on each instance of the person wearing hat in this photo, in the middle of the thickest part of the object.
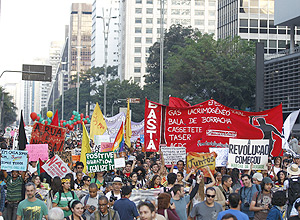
(292, 185)
(297, 159)
(115, 194)
(257, 178)
(261, 200)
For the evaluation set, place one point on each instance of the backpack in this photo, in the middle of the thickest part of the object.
(294, 189)
(111, 212)
(59, 196)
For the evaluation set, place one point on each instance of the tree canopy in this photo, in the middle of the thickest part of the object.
(9, 109)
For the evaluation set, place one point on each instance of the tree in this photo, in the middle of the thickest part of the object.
(8, 111)
(203, 68)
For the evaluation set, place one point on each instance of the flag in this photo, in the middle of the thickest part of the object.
(288, 126)
(55, 119)
(85, 147)
(128, 131)
(98, 124)
(119, 141)
(22, 136)
(39, 167)
(177, 102)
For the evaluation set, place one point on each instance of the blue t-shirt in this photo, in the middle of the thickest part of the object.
(246, 197)
(126, 209)
(238, 214)
(181, 206)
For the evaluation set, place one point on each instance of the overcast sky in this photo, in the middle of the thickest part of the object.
(27, 28)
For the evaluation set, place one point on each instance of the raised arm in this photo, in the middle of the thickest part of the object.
(212, 178)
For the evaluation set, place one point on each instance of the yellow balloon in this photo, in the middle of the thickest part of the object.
(49, 114)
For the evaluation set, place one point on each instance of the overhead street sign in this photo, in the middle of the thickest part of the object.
(134, 100)
(36, 72)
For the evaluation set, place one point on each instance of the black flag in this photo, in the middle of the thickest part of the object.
(22, 136)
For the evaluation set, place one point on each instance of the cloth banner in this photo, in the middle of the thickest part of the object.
(37, 151)
(244, 152)
(56, 167)
(100, 161)
(48, 134)
(209, 124)
(14, 160)
(222, 156)
(66, 156)
(287, 128)
(199, 161)
(173, 154)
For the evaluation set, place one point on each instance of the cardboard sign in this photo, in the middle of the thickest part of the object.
(14, 160)
(66, 156)
(209, 124)
(199, 161)
(48, 134)
(106, 147)
(37, 151)
(119, 162)
(56, 167)
(173, 154)
(244, 152)
(222, 156)
(98, 162)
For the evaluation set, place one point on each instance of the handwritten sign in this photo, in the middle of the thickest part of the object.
(222, 156)
(173, 154)
(14, 160)
(56, 167)
(106, 147)
(66, 156)
(119, 162)
(48, 134)
(100, 161)
(199, 161)
(37, 151)
(243, 152)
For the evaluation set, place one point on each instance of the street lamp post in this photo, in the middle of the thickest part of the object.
(115, 102)
(105, 34)
(161, 68)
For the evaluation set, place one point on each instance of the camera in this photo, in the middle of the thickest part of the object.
(270, 206)
(246, 204)
(113, 198)
(92, 208)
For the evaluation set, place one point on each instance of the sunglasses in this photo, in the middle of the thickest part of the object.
(210, 196)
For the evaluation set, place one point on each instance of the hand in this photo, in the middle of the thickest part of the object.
(208, 169)
(266, 207)
(192, 171)
(172, 206)
(198, 179)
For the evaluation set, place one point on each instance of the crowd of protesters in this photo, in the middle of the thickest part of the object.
(177, 194)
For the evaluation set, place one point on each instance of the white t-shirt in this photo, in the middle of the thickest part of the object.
(108, 195)
(32, 169)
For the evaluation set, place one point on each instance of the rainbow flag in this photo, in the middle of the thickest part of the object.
(119, 141)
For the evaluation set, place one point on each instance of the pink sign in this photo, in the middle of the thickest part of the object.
(106, 147)
(36, 151)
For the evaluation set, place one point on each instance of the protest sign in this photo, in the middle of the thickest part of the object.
(100, 161)
(222, 156)
(243, 152)
(209, 124)
(56, 167)
(76, 157)
(200, 161)
(101, 138)
(106, 147)
(14, 160)
(48, 134)
(66, 156)
(37, 151)
(119, 162)
(173, 154)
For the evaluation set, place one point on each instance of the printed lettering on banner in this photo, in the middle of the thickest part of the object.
(244, 152)
(100, 161)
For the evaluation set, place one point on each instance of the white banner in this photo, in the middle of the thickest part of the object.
(222, 156)
(173, 154)
(287, 128)
(243, 152)
(56, 167)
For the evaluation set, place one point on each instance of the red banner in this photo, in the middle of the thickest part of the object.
(210, 124)
(48, 134)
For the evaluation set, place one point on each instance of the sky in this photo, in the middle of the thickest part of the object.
(27, 28)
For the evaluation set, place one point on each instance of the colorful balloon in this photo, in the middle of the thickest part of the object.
(33, 116)
(49, 114)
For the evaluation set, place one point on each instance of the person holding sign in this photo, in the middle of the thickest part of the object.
(64, 196)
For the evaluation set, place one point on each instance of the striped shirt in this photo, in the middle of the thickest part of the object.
(14, 189)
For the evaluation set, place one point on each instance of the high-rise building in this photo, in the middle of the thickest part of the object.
(80, 38)
(253, 20)
(105, 21)
(140, 28)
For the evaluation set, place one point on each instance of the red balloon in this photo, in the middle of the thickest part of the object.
(85, 121)
(38, 118)
(81, 115)
(75, 123)
(71, 127)
(87, 116)
(33, 116)
(46, 122)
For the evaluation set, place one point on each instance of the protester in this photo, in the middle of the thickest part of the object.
(155, 182)
(261, 200)
(78, 182)
(236, 182)
(208, 209)
(99, 180)
(55, 214)
(297, 207)
(31, 208)
(165, 208)
(278, 201)
(257, 178)
(104, 212)
(64, 196)
(218, 178)
(55, 187)
(2, 199)
(141, 175)
(223, 191)
(90, 201)
(234, 203)
(86, 183)
(229, 217)
(133, 181)
(147, 210)
(76, 208)
(115, 194)
(126, 208)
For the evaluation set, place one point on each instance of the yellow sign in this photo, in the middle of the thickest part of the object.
(199, 161)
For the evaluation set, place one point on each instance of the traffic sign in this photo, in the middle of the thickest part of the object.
(36, 72)
(134, 100)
